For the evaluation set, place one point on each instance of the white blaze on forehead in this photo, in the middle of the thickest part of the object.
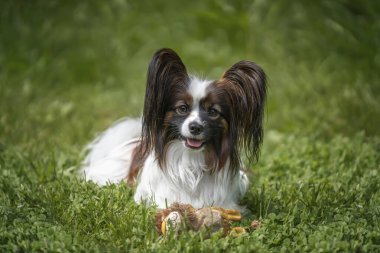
(198, 89)
(194, 116)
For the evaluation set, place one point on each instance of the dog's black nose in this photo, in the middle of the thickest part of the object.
(195, 128)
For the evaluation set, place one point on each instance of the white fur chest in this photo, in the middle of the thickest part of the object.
(186, 179)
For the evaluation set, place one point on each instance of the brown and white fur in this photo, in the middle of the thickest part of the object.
(188, 145)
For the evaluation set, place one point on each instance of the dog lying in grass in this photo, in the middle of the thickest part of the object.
(189, 144)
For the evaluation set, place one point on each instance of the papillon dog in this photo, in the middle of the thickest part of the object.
(189, 144)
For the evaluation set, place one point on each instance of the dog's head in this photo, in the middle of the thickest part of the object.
(218, 117)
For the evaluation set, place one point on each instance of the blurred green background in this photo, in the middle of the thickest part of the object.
(68, 69)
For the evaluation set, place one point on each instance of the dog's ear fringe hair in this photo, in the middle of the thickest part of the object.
(166, 74)
(245, 83)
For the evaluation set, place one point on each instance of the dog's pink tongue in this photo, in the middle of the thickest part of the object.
(194, 143)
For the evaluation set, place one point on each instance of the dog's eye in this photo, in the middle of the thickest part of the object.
(212, 113)
(181, 110)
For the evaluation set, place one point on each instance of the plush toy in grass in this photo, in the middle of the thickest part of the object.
(181, 217)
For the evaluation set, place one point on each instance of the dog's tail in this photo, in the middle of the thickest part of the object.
(109, 156)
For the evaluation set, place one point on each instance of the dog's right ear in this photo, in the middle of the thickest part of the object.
(245, 83)
(166, 76)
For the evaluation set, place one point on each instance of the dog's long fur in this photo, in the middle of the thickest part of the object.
(187, 147)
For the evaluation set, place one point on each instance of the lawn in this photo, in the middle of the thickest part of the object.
(68, 69)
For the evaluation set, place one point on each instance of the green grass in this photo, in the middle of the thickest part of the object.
(69, 69)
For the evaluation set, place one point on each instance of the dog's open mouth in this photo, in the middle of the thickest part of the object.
(194, 143)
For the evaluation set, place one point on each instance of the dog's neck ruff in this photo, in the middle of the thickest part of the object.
(184, 167)
(185, 178)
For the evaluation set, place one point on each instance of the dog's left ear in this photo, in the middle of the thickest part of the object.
(245, 83)
(166, 76)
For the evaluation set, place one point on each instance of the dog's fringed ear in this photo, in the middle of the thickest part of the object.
(245, 82)
(166, 74)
